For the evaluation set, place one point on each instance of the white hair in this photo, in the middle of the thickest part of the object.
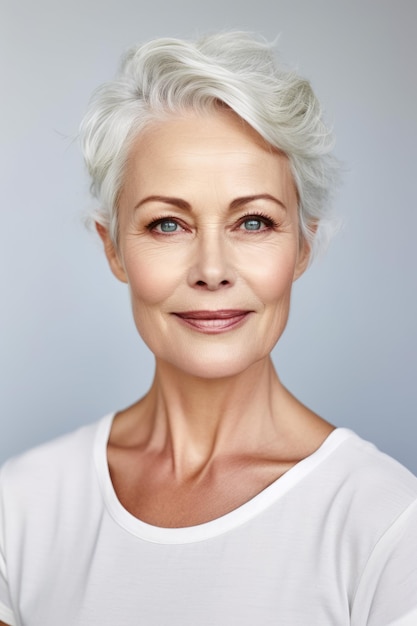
(171, 76)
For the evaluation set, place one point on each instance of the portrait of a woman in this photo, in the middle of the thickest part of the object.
(218, 498)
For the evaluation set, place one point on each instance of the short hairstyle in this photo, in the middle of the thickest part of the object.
(171, 76)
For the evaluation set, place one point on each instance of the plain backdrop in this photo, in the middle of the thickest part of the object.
(68, 348)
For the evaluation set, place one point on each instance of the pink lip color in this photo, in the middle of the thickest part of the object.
(213, 322)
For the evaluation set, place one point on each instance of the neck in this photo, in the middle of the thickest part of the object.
(194, 419)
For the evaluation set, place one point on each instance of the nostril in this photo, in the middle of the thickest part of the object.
(208, 285)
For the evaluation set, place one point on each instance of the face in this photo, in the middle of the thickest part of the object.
(208, 242)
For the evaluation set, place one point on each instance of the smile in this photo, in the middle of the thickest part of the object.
(213, 322)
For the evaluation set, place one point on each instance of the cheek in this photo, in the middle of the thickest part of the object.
(271, 273)
(151, 276)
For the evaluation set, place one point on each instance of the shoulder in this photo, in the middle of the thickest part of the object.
(53, 463)
(362, 465)
(368, 488)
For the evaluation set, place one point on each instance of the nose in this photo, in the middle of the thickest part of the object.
(211, 267)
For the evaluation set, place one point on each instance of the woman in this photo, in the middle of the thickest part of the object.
(218, 498)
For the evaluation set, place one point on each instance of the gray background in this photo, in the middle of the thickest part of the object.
(69, 352)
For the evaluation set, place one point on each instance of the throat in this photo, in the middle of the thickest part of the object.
(198, 419)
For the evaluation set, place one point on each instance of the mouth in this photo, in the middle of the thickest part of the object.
(213, 322)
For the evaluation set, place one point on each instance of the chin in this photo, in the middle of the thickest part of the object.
(214, 366)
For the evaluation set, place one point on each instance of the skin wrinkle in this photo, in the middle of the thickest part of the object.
(217, 425)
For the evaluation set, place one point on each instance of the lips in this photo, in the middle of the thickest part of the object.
(213, 321)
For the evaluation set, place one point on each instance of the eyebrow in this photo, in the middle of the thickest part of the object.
(185, 206)
(262, 196)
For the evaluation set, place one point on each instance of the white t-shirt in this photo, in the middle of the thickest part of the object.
(333, 542)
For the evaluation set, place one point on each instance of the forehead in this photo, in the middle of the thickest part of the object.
(189, 152)
(200, 133)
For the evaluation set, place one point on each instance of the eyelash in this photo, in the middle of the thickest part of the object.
(268, 221)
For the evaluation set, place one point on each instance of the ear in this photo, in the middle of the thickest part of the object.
(112, 255)
(302, 259)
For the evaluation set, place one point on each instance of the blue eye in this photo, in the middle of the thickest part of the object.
(165, 226)
(253, 224)
(256, 222)
(168, 226)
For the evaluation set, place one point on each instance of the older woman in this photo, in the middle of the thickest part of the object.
(218, 498)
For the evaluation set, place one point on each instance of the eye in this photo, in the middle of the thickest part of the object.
(164, 226)
(256, 223)
(168, 226)
(252, 224)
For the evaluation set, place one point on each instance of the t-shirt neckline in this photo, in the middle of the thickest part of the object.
(220, 525)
